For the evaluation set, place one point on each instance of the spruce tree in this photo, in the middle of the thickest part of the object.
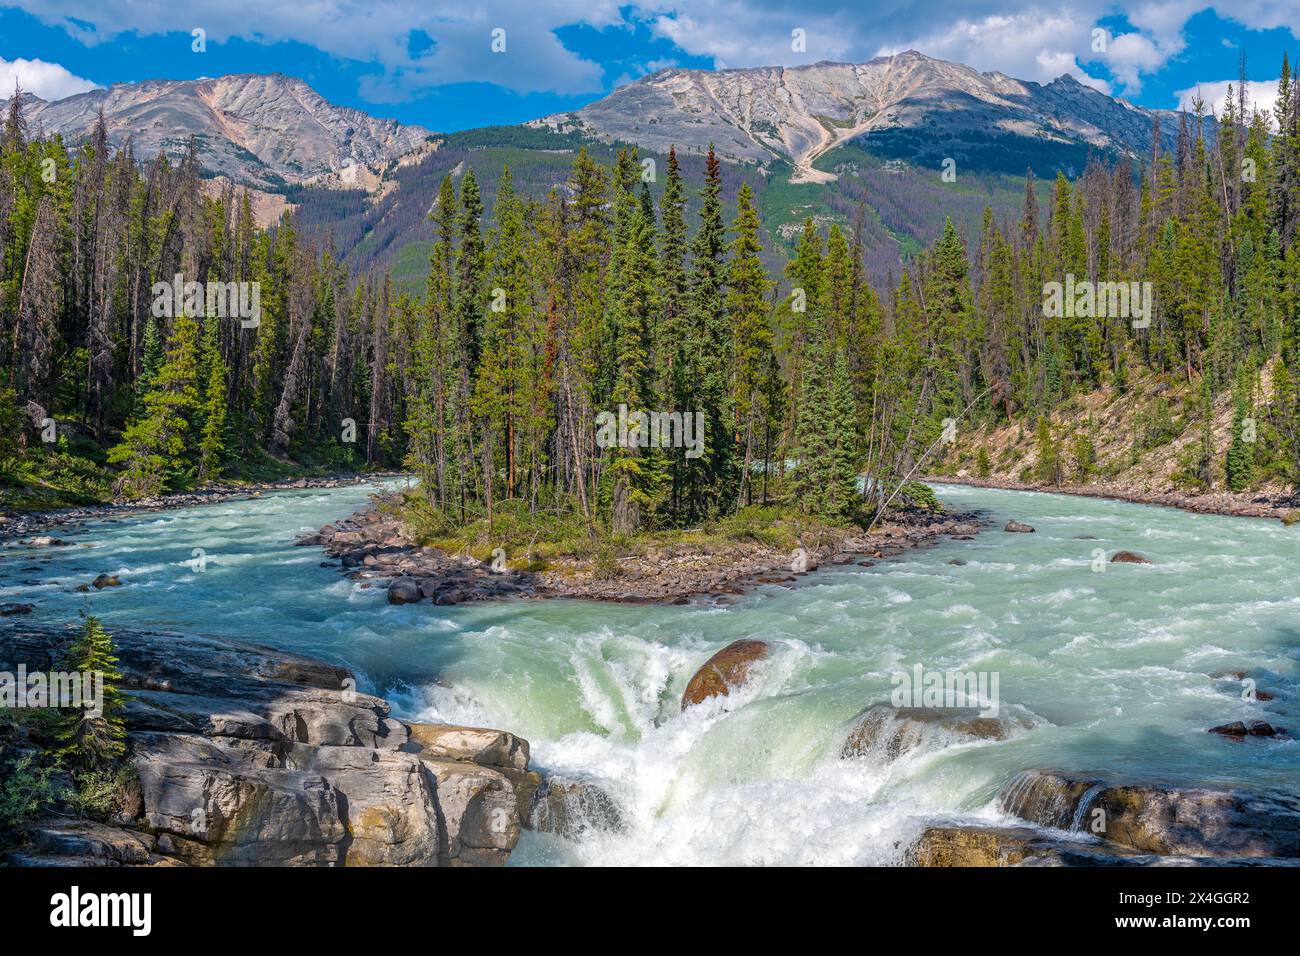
(213, 411)
(82, 740)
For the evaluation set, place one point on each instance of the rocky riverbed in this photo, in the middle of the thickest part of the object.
(373, 547)
(244, 755)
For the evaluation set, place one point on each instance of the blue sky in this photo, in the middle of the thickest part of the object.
(431, 62)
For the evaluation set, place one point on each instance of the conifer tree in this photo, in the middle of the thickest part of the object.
(86, 740)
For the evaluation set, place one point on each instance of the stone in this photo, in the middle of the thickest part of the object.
(887, 732)
(94, 842)
(1129, 557)
(490, 748)
(1234, 729)
(106, 581)
(480, 809)
(404, 591)
(1018, 527)
(11, 610)
(724, 671)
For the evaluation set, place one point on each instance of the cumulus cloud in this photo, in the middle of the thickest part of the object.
(1030, 39)
(1034, 45)
(373, 31)
(1260, 95)
(49, 81)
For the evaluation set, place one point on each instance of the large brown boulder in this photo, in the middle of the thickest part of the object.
(724, 671)
(886, 732)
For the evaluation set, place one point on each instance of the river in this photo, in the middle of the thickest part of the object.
(1109, 671)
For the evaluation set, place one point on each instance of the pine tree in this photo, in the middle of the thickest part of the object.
(1240, 463)
(747, 290)
(1049, 453)
(713, 477)
(213, 411)
(154, 448)
(84, 740)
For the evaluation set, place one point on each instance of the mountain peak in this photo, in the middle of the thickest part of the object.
(797, 114)
(267, 130)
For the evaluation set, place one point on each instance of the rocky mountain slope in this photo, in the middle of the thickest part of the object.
(1144, 440)
(800, 113)
(267, 131)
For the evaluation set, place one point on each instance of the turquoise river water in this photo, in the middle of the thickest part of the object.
(1110, 671)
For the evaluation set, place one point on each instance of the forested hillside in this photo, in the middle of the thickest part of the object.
(540, 313)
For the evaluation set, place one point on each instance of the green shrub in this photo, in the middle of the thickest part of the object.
(918, 494)
(25, 790)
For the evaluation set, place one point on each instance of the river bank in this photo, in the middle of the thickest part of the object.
(1282, 507)
(374, 548)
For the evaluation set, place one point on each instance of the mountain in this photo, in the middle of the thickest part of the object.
(268, 131)
(907, 106)
(819, 141)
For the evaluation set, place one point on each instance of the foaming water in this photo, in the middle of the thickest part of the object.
(1106, 671)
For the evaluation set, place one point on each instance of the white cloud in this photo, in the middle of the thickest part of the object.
(1260, 95)
(372, 31)
(1030, 39)
(49, 81)
(1131, 55)
(1033, 45)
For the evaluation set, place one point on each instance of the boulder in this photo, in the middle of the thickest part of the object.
(1168, 821)
(95, 843)
(1234, 729)
(572, 807)
(404, 591)
(724, 671)
(1129, 557)
(490, 748)
(218, 803)
(1018, 527)
(480, 809)
(887, 732)
(10, 610)
(106, 581)
(1256, 728)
